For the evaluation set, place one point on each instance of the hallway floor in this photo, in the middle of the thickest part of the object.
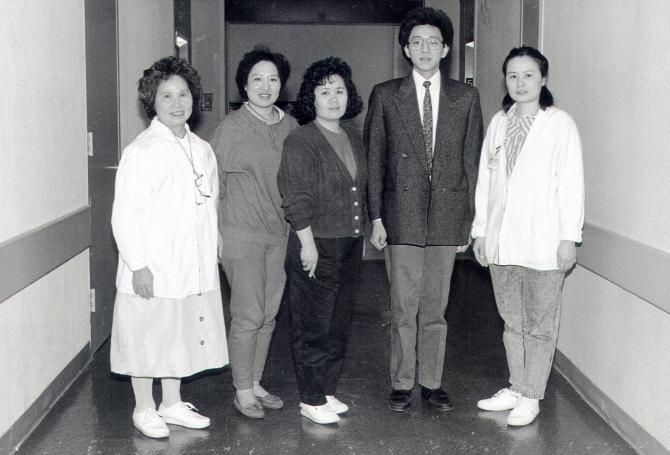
(94, 415)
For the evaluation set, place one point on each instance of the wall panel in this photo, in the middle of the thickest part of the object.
(606, 71)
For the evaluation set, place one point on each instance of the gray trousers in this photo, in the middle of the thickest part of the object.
(529, 301)
(420, 278)
(255, 272)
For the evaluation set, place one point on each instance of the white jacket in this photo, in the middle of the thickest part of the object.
(155, 219)
(525, 217)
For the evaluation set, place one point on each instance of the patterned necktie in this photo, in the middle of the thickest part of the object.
(428, 125)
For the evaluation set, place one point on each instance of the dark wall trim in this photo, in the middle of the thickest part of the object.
(631, 265)
(617, 418)
(28, 257)
(36, 412)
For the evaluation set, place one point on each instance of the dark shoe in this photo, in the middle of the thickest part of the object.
(438, 398)
(253, 410)
(400, 400)
(271, 401)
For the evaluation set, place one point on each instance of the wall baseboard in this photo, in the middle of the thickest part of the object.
(29, 420)
(617, 418)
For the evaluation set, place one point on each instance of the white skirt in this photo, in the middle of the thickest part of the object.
(162, 337)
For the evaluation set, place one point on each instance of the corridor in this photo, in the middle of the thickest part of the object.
(93, 416)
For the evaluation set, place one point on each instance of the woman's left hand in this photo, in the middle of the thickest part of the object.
(309, 256)
(566, 255)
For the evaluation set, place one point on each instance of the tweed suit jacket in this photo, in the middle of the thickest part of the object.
(417, 209)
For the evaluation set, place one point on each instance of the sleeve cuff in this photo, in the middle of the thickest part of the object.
(300, 224)
(573, 236)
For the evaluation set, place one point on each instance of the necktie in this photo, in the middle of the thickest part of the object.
(428, 125)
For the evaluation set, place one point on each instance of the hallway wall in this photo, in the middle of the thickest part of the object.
(146, 33)
(497, 30)
(607, 68)
(43, 179)
(208, 57)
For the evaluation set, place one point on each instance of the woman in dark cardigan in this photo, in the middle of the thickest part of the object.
(322, 180)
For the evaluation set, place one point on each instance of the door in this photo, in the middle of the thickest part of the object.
(103, 130)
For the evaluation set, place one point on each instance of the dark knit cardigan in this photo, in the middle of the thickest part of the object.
(316, 188)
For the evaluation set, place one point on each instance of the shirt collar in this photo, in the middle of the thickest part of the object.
(419, 79)
(158, 126)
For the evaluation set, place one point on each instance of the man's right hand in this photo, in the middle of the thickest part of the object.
(378, 237)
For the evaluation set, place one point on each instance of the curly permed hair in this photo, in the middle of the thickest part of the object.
(260, 53)
(426, 16)
(162, 70)
(316, 75)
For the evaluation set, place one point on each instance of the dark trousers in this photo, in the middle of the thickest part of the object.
(321, 309)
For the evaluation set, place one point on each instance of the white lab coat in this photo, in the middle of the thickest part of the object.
(155, 219)
(157, 224)
(524, 217)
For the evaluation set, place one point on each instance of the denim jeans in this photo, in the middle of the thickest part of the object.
(321, 309)
(529, 302)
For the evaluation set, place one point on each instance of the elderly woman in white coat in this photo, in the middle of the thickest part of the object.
(168, 317)
(529, 215)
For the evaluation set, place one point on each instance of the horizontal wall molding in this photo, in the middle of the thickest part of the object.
(613, 414)
(638, 268)
(28, 257)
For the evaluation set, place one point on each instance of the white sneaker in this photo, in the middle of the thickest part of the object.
(183, 414)
(524, 412)
(150, 424)
(503, 400)
(323, 414)
(336, 405)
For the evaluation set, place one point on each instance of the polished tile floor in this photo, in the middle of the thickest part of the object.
(93, 417)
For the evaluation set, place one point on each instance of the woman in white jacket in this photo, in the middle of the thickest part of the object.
(168, 317)
(529, 215)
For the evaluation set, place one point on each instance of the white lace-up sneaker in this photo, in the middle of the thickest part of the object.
(183, 414)
(150, 424)
(503, 400)
(336, 405)
(524, 412)
(323, 414)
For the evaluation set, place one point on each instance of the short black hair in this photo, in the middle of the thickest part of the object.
(426, 16)
(161, 71)
(546, 98)
(260, 53)
(317, 74)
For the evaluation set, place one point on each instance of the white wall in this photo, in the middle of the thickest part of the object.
(43, 176)
(146, 33)
(42, 328)
(609, 69)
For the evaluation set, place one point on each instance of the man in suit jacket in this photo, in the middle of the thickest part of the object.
(423, 135)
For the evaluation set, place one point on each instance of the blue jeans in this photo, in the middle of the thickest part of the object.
(529, 302)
